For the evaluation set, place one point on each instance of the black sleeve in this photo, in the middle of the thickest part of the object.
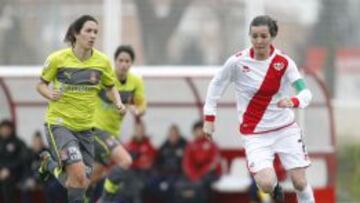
(19, 158)
(160, 158)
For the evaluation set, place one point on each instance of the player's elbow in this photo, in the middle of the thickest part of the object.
(40, 86)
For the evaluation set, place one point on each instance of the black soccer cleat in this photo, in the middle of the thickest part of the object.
(278, 194)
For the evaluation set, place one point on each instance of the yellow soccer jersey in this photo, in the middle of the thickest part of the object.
(132, 92)
(79, 82)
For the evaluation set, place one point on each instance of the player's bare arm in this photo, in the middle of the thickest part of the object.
(116, 99)
(48, 93)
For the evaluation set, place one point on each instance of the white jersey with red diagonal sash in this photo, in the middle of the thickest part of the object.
(259, 85)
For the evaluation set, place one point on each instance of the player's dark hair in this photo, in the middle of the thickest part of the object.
(125, 48)
(267, 21)
(197, 124)
(76, 27)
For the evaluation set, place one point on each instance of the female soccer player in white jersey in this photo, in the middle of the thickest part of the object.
(263, 76)
(76, 74)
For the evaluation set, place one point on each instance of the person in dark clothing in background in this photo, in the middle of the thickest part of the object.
(168, 165)
(12, 151)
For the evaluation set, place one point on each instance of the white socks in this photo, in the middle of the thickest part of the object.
(305, 196)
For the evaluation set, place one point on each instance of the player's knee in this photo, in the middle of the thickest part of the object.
(299, 183)
(80, 180)
(122, 158)
(266, 179)
(298, 178)
(266, 185)
(77, 182)
(77, 176)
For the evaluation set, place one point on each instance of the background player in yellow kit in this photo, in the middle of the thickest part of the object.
(108, 122)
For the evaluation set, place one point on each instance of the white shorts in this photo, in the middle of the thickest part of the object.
(287, 143)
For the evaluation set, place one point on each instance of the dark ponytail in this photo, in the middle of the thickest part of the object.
(76, 27)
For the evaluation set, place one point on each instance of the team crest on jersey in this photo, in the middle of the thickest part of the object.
(93, 77)
(279, 66)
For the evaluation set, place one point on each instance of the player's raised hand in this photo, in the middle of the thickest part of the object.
(209, 129)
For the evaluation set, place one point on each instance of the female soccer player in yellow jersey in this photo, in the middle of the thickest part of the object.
(108, 121)
(76, 74)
